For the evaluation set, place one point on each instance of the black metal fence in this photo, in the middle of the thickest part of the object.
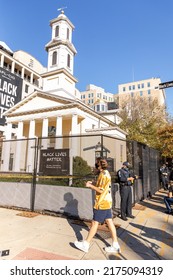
(69, 161)
(145, 162)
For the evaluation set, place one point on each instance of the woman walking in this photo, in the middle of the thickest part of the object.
(102, 211)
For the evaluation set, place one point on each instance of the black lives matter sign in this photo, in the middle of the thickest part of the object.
(10, 91)
(54, 162)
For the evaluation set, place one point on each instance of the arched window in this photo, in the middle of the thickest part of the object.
(54, 58)
(68, 33)
(68, 60)
(57, 31)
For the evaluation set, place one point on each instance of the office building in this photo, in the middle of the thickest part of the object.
(147, 89)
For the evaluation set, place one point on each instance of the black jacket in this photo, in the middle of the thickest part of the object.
(171, 176)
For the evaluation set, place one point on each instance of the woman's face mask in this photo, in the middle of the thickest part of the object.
(97, 165)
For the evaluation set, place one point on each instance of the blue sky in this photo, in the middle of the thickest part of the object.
(117, 41)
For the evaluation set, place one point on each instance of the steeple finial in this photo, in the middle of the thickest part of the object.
(62, 9)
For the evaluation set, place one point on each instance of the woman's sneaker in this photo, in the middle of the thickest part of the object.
(115, 248)
(82, 245)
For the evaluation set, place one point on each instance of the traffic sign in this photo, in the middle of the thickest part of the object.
(166, 85)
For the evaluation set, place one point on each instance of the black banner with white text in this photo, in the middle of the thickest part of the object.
(10, 91)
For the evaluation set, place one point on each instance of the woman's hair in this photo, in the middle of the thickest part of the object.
(103, 164)
(97, 164)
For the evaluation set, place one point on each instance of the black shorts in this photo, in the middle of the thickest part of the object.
(101, 215)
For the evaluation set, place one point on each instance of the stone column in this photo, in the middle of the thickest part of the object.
(13, 66)
(2, 61)
(45, 133)
(6, 148)
(59, 141)
(74, 140)
(17, 156)
(31, 81)
(31, 144)
(74, 131)
(23, 72)
(32, 129)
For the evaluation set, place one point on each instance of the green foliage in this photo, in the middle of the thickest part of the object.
(54, 181)
(80, 169)
(166, 140)
(141, 119)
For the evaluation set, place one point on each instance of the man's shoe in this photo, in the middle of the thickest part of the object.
(82, 245)
(131, 216)
(124, 218)
(115, 248)
(168, 212)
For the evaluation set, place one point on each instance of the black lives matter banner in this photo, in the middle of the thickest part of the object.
(54, 162)
(10, 91)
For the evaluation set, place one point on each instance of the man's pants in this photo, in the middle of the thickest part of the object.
(126, 200)
(168, 201)
(164, 182)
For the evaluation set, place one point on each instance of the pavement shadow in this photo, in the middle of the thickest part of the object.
(71, 212)
(155, 233)
(158, 198)
(150, 205)
(73, 219)
(115, 257)
(137, 243)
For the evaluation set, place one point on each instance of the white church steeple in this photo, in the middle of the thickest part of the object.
(59, 77)
(60, 49)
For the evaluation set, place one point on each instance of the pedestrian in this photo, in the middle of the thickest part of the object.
(164, 172)
(168, 200)
(171, 175)
(97, 171)
(102, 211)
(125, 181)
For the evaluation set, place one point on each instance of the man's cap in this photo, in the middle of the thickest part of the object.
(126, 163)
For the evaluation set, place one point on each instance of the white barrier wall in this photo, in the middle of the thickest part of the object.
(74, 202)
(15, 194)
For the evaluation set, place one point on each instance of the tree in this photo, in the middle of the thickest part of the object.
(81, 169)
(166, 140)
(141, 119)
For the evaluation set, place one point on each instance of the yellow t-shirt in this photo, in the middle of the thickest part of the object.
(103, 200)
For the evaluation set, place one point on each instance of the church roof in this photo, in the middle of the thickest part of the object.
(39, 102)
(56, 42)
(61, 17)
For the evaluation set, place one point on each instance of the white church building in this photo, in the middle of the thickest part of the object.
(57, 106)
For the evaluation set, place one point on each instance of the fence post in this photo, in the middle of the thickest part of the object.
(33, 186)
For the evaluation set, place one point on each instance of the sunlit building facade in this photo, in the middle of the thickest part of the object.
(148, 89)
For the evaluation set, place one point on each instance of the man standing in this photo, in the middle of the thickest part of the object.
(164, 172)
(125, 181)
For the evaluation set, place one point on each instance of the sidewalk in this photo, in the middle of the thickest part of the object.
(42, 237)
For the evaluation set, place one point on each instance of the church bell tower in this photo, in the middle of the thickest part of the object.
(59, 77)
